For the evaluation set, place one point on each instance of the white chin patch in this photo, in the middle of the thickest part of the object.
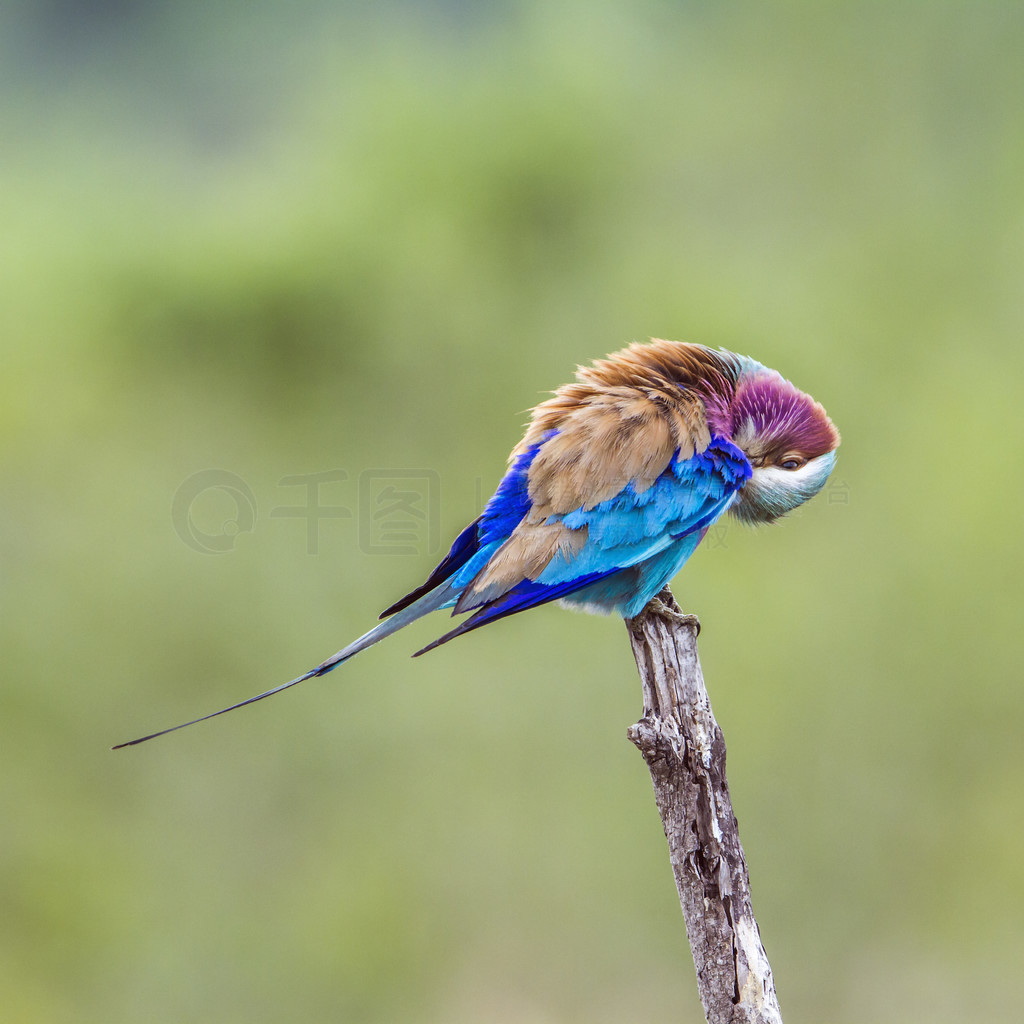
(777, 479)
(772, 491)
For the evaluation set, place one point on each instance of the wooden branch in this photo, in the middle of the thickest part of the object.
(685, 753)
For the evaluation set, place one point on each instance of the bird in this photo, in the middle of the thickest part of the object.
(618, 478)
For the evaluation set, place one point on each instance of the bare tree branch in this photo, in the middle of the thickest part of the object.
(685, 753)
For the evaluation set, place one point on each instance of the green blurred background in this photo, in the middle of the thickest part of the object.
(293, 238)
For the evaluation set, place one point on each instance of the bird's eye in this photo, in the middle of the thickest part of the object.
(792, 462)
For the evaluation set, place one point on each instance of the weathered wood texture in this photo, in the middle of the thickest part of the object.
(685, 752)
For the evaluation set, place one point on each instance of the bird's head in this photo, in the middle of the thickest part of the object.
(789, 440)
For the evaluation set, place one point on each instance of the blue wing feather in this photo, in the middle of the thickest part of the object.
(636, 541)
(511, 501)
(650, 535)
(631, 528)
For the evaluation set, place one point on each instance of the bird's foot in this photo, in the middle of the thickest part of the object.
(658, 607)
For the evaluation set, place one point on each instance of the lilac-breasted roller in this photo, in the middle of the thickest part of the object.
(617, 480)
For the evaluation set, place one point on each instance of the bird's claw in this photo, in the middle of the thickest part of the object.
(661, 609)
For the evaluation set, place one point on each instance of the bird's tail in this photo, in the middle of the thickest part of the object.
(437, 598)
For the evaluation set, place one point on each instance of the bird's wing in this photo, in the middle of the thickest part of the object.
(596, 444)
(547, 561)
(597, 468)
(619, 480)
